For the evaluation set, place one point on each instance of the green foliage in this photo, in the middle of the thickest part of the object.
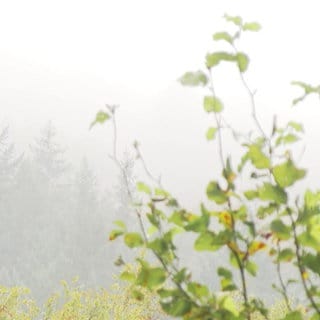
(101, 117)
(223, 36)
(215, 193)
(291, 225)
(286, 174)
(213, 59)
(307, 88)
(73, 302)
(212, 104)
(211, 132)
(242, 61)
(192, 79)
(15, 304)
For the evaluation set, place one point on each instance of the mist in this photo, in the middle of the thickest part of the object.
(61, 62)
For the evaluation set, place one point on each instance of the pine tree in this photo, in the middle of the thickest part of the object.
(48, 155)
(9, 163)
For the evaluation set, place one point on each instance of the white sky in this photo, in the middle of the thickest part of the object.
(63, 60)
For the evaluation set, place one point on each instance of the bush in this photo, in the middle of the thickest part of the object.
(16, 304)
(268, 216)
(116, 304)
(74, 302)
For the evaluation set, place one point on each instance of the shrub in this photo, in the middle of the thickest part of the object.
(234, 218)
(116, 304)
(75, 302)
(15, 304)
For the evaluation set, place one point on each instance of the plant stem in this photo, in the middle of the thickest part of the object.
(238, 258)
(300, 267)
(283, 287)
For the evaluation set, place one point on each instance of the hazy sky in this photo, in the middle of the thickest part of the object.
(63, 60)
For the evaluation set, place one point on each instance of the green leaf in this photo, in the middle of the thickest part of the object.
(200, 224)
(294, 315)
(264, 211)
(211, 133)
(251, 267)
(286, 174)
(172, 203)
(212, 104)
(312, 262)
(243, 161)
(133, 240)
(251, 194)
(127, 276)
(197, 78)
(228, 304)
(115, 234)
(101, 117)
(120, 224)
(206, 242)
(177, 217)
(178, 307)
(242, 61)
(215, 193)
(312, 199)
(269, 192)
(308, 240)
(251, 26)
(313, 227)
(209, 241)
(198, 289)
(282, 231)
(287, 139)
(286, 255)
(213, 59)
(151, 277)
(227, 285)
(237, 20)
(181, 276)
(161, 192)
(258, 158)
(307, 87)
(142, 187)
(223, 272)
(297, 100)
(296, 126)
(223, 36)
(152, 230)
(229, 174)
(154, 220)
(138, 295)
(159, 245)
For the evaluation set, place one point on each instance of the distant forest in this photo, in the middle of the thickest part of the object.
(54, 220)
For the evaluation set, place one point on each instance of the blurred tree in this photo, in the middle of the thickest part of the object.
(9, 163)
(88, 227)
(9, 166)
(48, 155)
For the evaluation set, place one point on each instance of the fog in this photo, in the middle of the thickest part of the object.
(62, 61)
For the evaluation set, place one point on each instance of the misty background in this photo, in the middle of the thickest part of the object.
(62, 61)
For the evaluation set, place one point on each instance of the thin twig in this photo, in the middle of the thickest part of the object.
(138, 213)
(300, 267)
(145, 167)
(238, 258)
(283, 287)
(252, 99)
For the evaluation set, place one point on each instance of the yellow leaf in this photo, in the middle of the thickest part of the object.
(235, 248)
(226, 219)
(305, 275)
(256, 246)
